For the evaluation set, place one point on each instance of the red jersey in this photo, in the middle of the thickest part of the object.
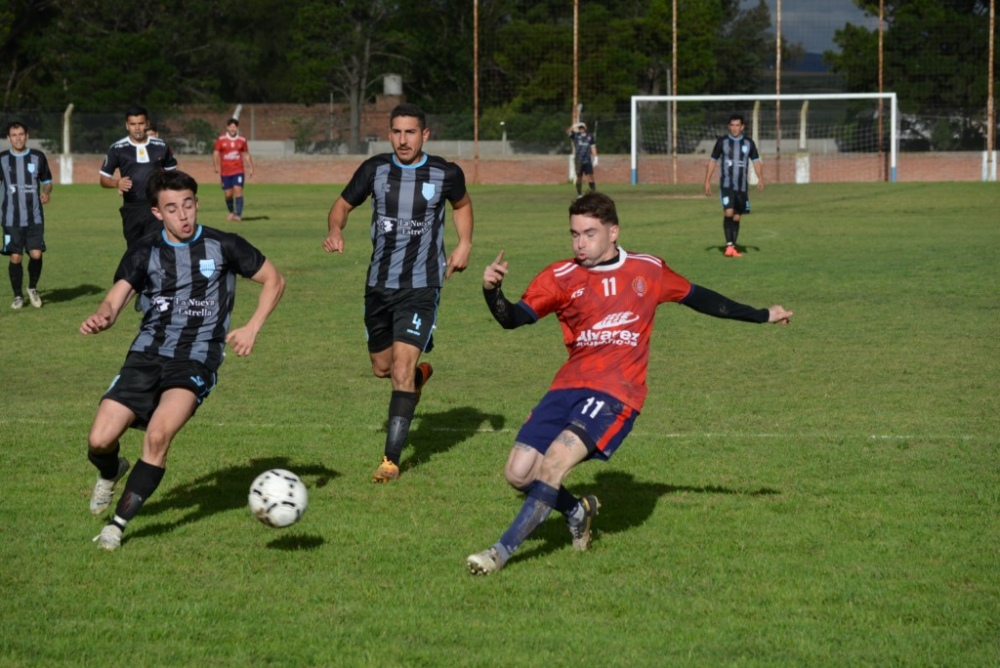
(231, 150)
(607, 315)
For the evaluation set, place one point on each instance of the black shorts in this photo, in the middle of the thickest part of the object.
(408, 315)
(584, 167)
(736, 200)
(18, 239)
(143, 378)
(138, 221)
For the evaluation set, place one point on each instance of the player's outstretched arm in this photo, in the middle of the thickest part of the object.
(336, 221)
(107, 313)
(458, 259)
(243, 338)
(710, 302)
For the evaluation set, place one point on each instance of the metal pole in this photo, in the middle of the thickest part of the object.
(576, 58)
(881, 73)
(991, 119)
(673, 89)
(777, 101)
(475, 91)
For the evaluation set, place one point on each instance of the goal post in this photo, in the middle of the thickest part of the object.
(806, 138)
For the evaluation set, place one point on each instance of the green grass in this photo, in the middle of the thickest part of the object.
(820, 494)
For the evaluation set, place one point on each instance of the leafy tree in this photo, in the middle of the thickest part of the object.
(341, 46)
(936, 53)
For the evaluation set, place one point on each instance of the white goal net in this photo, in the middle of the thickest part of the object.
(807, 138)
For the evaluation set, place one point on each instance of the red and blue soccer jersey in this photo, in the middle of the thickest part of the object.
(231, 150)
(607, 315)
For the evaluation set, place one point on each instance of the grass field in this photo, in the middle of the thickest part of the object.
(822, 494)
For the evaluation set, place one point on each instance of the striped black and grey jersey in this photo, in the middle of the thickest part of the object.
(188, 292)
(736, 154)
(408, 217)
(23, 175)
(138, 162)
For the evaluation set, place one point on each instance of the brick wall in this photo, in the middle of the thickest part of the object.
(537, 170)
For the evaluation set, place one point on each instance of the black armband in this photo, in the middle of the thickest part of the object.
(508, 314)
(712, 303)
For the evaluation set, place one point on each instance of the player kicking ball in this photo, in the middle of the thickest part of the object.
(186, 275)
(605, 299)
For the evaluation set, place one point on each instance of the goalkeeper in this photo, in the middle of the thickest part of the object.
(584, 155)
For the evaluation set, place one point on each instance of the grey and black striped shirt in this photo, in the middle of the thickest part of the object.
(736, 154)
(188, 292)
(408, 217)
(23, 175)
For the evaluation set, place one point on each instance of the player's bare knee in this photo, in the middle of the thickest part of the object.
(516, 478)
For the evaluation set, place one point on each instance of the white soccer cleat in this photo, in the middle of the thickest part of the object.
(33, 297)
(109, 539)
(485, 562)
(104, 490)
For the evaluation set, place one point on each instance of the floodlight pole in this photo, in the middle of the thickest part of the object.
(576, 59)
(777, 99)
(672, 84)
(475, 92)
(991, 155)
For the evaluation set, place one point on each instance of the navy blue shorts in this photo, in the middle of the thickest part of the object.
(144, 377)
(230, 182)
(408, 315)
(16, 240)
(598, 419)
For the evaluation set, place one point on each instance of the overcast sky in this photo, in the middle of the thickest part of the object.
(813, 22)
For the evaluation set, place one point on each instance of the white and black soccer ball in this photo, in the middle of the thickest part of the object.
(278, 498)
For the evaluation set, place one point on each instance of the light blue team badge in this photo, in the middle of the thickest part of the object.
(206, 267)
(428, 191)
(31, 168)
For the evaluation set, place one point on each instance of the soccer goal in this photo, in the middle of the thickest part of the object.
(802, 138)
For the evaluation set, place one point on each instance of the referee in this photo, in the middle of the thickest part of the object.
(136, 158)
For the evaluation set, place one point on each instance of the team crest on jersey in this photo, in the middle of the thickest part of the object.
(428, 190)
(639, 285)
(206, 267)
(31, 168)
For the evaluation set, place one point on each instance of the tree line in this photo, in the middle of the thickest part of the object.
(103, 55)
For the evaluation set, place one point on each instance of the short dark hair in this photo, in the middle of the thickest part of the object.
(13, 125)
(737, 117)
(596, 205)
(407, 109)
(174, 179)
(136, 110)
(234, 121)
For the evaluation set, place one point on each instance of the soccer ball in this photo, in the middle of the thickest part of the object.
(278, 498)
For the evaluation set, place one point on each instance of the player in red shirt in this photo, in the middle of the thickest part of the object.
(228, 154)
(605, 299)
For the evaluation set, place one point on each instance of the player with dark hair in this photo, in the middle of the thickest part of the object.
(605, 299)
(584, 155)
(737, 153)
(408, 263)
(187, 274)
(27, 184)
(228, 155)
(136, 158)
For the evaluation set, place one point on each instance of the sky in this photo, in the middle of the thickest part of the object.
(813, 22)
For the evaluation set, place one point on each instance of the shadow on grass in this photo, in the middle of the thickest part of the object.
(226, 489)
(625, 504)
(437, 433)
(296, 543)
(69, 294)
